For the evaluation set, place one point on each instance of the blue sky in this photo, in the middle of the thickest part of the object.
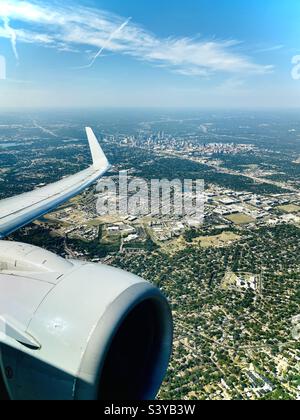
(128, 53)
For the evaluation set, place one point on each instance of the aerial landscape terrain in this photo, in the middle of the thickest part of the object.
(233, 281)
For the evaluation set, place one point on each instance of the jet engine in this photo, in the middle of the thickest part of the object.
(72, 330)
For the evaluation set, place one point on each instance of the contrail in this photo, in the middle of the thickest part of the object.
(111, 37)
(13, 36)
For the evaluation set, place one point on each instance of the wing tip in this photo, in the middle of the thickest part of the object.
(100, 160)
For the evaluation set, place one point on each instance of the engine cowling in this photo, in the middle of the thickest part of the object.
(73, 330)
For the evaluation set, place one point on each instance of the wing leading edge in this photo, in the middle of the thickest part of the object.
(18, 211)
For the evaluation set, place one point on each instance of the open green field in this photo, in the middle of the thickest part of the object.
(240, 219)
(224, 239)
(289, 208)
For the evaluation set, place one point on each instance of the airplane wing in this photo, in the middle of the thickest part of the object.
(18, 211)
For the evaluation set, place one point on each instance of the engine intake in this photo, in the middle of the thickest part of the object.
(102, 333)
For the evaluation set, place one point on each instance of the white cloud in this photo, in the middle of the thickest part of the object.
(12, 34)
(67, 28)
(270, 49)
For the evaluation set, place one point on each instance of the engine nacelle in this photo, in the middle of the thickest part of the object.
(71, 330)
